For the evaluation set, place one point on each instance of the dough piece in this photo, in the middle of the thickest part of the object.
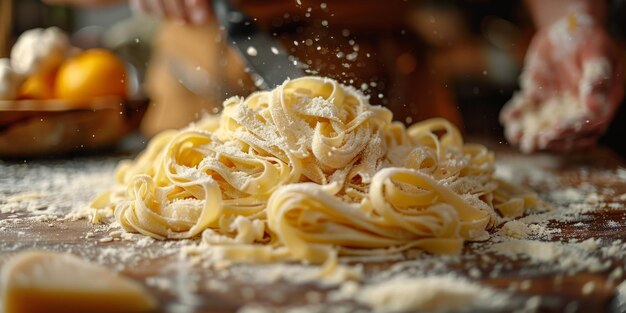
(34, 282)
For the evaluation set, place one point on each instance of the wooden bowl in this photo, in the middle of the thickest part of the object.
(42, 128)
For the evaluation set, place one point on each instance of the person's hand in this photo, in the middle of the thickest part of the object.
(185, 11)
(575, 57)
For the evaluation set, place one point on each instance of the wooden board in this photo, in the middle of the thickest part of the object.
(181, 284)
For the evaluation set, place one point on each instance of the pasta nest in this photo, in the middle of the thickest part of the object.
(311, 171)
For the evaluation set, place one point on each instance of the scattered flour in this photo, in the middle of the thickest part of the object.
(413, 281)
(53, 188)
(566, 257)
(431, 294)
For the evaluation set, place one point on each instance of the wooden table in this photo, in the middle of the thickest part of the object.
(187, 287)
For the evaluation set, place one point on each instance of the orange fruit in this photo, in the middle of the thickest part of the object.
(38, 86)
(91, 74)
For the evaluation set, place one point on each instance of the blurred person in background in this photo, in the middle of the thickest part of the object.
(381, 47)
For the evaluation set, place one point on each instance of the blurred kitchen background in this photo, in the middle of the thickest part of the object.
(476, 45)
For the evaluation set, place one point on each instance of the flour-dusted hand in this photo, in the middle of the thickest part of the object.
(573, 66)
(186, 11)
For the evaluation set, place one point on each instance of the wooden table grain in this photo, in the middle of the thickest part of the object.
(184, 286)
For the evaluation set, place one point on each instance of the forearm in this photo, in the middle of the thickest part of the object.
(546, 12)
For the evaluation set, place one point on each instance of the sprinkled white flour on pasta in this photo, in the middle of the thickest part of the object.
(310, 171)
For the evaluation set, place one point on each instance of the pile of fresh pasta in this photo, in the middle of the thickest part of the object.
(311, 171)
